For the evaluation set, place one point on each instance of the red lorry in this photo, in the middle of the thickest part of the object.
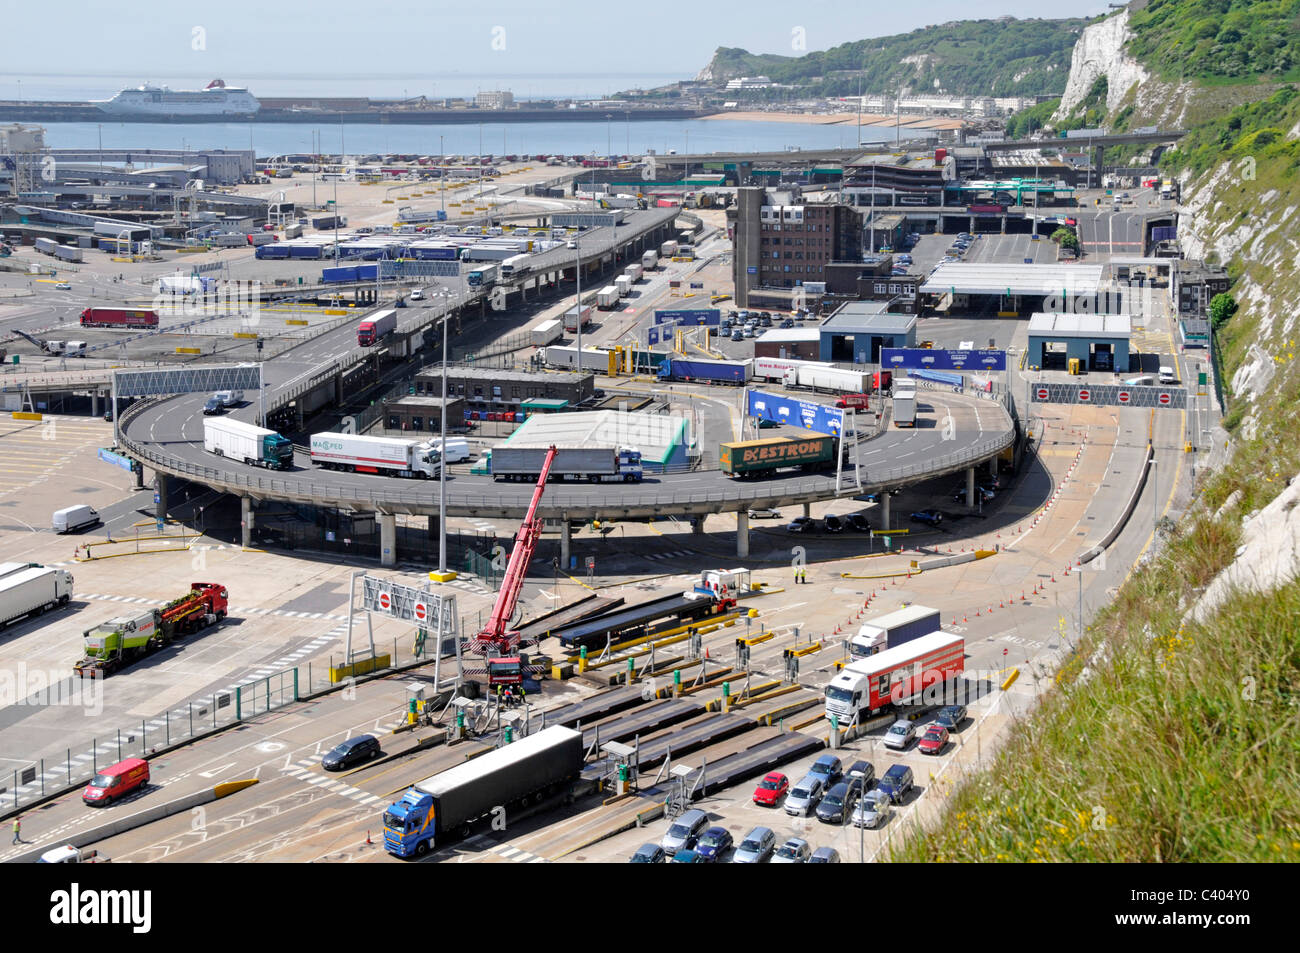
(118, 318)
(880, 382)
(376, 327)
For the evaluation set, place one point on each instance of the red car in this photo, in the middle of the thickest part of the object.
(934, 739)
(771, 789)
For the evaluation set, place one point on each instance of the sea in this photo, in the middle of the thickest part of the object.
(615, 136)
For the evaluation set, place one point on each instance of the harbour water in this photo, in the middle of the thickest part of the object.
(614, 136)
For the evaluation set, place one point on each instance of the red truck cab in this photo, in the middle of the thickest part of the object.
(116, 781)
(856, 401)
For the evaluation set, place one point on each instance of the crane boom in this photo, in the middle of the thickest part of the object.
(494, 636)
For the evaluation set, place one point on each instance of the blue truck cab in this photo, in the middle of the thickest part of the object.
(409, 825)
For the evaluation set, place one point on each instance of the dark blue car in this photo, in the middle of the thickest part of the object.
(713, 843)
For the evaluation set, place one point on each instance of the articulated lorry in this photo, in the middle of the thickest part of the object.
(716, 372)
(375, 328)
(387, 456)
(30, 588)
(607, 298)
(118, 318)
(122, 640)
(592, 464)
(893, 629)
(448, 804)
(916, 672)
(905, 408)
(819, 377)
(482, 276)
(747, 458)
(247, 443)
(650, 260)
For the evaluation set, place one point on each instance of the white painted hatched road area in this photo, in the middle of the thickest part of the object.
(234, 610)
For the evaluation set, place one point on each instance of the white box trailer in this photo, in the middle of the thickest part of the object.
(607, 298)
(548, 332)
(650, 260)
(634, 271)
(820, 377)
(623, 284)
(776, 368)
(246, 443)
(572, 316)
(593, 359)
(386, 456)
(31, 591)
(667, 249)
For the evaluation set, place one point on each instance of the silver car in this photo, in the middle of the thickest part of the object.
(683, 831)
(872, 811)
(803, 797)
(900, 735)
(756, 847)
(794, 851)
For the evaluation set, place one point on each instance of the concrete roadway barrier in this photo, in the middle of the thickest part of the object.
(131, 822)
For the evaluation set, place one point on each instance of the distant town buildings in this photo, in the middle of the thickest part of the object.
(495, 99)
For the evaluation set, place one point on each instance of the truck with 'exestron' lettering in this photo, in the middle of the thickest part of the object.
(746, 458)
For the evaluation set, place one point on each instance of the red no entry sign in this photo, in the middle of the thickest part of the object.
(384, 600)
(1042, 393)
(1123, 397)
(421, 612)
(1085, 394)
(1164, 400)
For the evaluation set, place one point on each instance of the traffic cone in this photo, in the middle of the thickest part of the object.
(977, 612)
(966, 619)
(368, 840)
(706, 651)
(1001, 605)
(1022, 595)
(1053, 577)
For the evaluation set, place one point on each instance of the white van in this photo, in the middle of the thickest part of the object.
(457, 449)
(229, 398)
(1167, 375)
(72, 518)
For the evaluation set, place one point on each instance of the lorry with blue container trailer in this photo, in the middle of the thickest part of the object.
(448, 804)
(717, 372)
(893, 629)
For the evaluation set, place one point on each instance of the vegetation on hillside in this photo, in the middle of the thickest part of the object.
(1163, 738)
(1217, 39)
(1028, 121)
(1004, 57)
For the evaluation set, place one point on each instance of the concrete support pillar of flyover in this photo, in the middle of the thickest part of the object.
(387, 539)
(993, 466)
(697, 524)
(1003, 221)
(160, 484)
(886, 502)
(1097, 167)
(566, 543)
(246, 521)
(338, 391)
(807, 511)
(970, 486)
(94, 404)
(742, 534)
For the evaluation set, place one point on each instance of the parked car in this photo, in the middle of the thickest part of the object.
(981, 492)
(803, 797)
(787, 324)
(862, 771)
(802, 524)
(682, 833)
(838, 802)
(932, 517)
(756, 847)
(872, 810)
(764, 513)
(771, 789)
(794, 851)
(951, 716)
(829, 768)
(859, 522)
(63, 286)
(687, 856)
(213, 406)
(896, 782)
(737, 335)
(834, 524)
(825, 855)
(713, 843)
(353, 751)
(933, 740)
(900, 735)
(648, 854)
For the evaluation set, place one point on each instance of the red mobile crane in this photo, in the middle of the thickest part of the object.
(495, 642)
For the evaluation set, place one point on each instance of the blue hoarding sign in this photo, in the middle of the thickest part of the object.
(790, 410)
(936, 359)
(117, 460)
(709, 316)
(652, 335)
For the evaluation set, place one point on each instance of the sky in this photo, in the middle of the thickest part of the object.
(439, 48)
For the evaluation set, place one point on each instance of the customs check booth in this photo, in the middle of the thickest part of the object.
(856, 332)
(1100, 342)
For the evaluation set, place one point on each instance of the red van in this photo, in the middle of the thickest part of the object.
(116, 781)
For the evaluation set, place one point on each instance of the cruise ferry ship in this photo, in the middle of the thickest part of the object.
(216, 99)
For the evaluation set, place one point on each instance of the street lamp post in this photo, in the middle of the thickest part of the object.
(577, 275)
(442, 468)
(442, 179)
